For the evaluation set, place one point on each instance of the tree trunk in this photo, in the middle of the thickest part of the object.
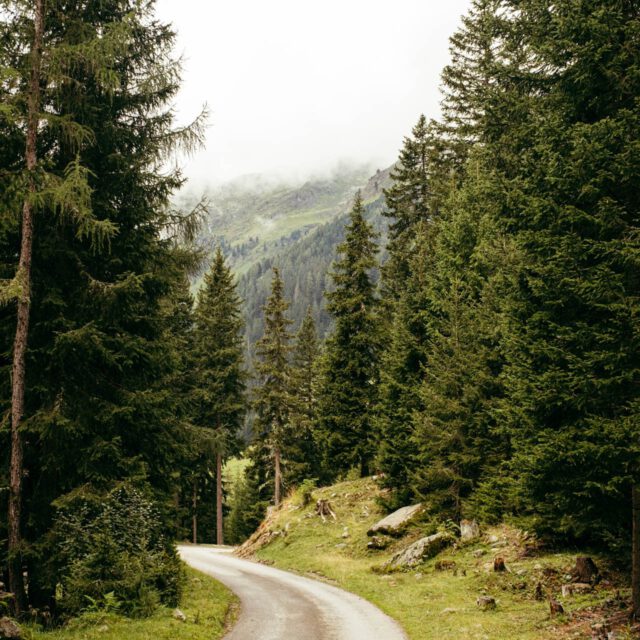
(219, 534)
(635, 551)
(194, 517)
(278, 478)
(16, 471)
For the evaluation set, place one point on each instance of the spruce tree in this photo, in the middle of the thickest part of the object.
(411, 204)
(271, 396)
(98, 409)
(407, 205)
(219, 393)
(572, 374)
(302, 455)
(349, 373)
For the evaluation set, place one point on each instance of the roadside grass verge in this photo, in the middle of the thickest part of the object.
(430, 602)
(209, 607)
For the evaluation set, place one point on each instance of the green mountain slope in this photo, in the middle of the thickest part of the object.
(260, 224)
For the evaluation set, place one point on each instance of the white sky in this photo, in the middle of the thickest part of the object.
(295, 87)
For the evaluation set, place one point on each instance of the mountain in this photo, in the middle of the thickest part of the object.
(261, 224)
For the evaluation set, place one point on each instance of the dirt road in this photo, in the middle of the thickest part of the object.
(277, 605)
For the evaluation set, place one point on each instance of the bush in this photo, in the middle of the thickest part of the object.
(115, 551)
(304, 494)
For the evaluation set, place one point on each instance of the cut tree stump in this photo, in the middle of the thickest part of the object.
(324, 510)
(555, 607)
(585, 571)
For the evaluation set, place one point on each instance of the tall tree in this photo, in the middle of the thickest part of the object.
(349, 375)
(408, 204)
(35, 58)
(302, 454)
(272, 399)
(219, 393)
(105, 258)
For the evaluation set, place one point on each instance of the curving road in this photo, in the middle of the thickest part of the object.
(277, 605)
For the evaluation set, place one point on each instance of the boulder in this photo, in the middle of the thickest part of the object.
(9, 630)
(395, 523)
(469, 530)
(419, 551)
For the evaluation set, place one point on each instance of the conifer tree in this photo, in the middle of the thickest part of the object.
(302, 454)
(105, 260)
(401, 371)
(411, 205)
(38, 57)
(349, 373)
(407, 205)
(572, 375)
(272, 398)
(219, 393)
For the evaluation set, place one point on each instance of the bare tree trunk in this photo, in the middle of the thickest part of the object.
(635, 550)
(16, 471)
(278, 478)
(194, 517)
(219, 530)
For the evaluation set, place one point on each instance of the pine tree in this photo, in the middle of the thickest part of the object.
(411, 203)
(302, 455)
(349, 373)
(106, 257)
(408, 205)
(219, 394)
(572, 374)
(455, 439)
(63, 194)
(401, 371)
(272, 400)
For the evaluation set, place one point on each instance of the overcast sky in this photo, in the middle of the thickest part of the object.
(296, 86)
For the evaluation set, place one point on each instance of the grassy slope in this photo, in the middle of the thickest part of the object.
(430, 604)
(206, 603)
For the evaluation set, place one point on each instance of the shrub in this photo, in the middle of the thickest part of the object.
(304, 494)
(115, 550)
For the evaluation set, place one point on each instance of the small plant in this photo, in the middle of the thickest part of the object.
(305, 491)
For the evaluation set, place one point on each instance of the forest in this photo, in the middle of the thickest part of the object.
(483, 360)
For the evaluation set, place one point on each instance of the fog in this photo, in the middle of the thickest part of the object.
(295, 87)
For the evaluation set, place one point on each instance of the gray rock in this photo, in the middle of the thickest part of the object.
(395, 523)
(179, 615)
(469, 530)
(9, 630)
(420, 551)
(486, 602)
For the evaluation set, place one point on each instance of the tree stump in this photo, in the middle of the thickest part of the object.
(555, 607)
(585, 571)
(324, 510)
(499, 565)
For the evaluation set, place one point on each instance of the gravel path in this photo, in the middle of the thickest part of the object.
(277, 605)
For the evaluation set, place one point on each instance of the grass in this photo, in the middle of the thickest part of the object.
(430, 603)
(208, 606)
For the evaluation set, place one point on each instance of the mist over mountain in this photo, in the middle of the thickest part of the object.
(261, 222)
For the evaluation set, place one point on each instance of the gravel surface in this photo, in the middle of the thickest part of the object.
(277, 605)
